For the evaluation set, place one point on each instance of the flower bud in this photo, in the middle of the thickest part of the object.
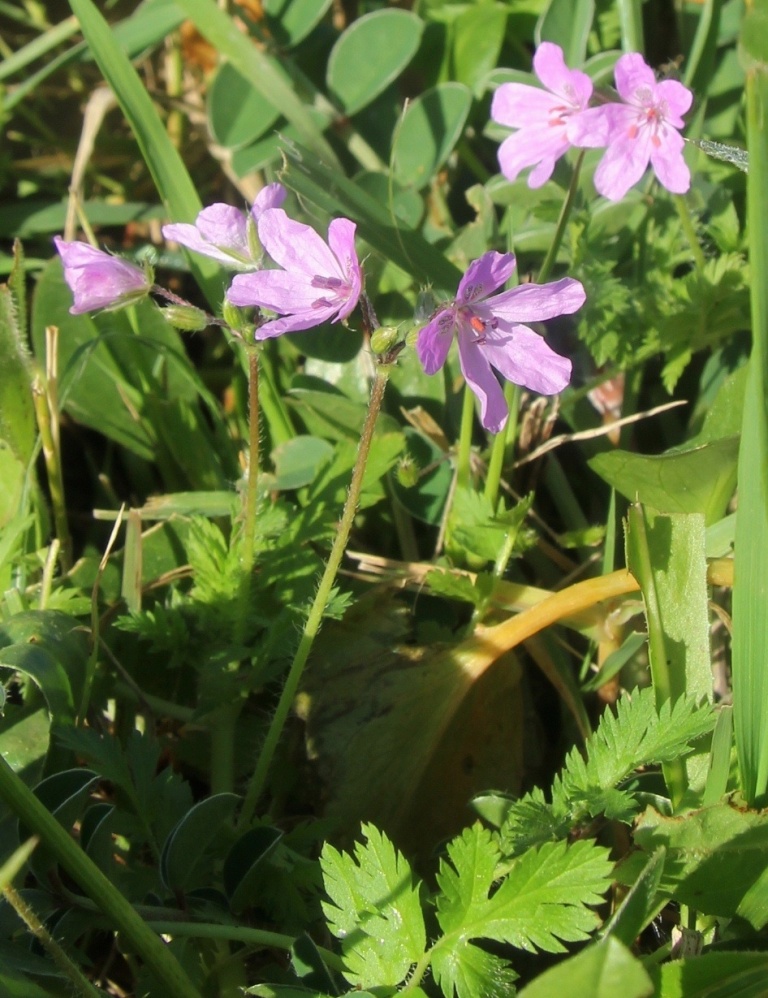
(101, 281)
(185, 317)
(384, 339)
(426, 303)
(407, 472)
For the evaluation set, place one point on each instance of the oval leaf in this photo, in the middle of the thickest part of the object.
(241, 867)
(185, 846)
(430, 129)
(370, 54)
(237, 112)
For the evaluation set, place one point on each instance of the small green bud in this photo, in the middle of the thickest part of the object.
(185, 317)
(233, 316)
(426, 303)
(383, 339)
(407, 472)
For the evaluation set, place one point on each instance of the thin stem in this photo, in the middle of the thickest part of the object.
(684, 214)
(31, 812)
(501, 442)
(223, 725)
(79, 981)
(562, 222)
(315, 616)
(465, 439)
(53, 467)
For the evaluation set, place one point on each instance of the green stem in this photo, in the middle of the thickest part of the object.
(501, 442)
(684, 214)
(562, 222)
(79, 981)
(20, 800)
(223, 723)
(463, 470)
(315, 616)
(52, 457)
(238, 933)
(631, 21)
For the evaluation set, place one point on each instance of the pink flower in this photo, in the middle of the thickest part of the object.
(642, 129)
(491, 335)
(98, 280)
(541, 116)
(319, 282)
(225, 233)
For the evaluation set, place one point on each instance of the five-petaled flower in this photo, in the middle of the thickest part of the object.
(641, 129)
(319, 282)
(225, 233)
(98, 280)
(542, 117)
(491, 334)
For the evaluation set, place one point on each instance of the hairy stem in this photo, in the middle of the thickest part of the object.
(562, 222)
(315, 616)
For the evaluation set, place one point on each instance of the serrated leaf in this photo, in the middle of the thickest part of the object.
(375, 910)
(466, 878)
(544, 900)
(467, 971)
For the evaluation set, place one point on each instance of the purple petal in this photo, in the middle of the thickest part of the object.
(295, 246)
(524, 358)
(223, 226)
(434, 341)
(341, 240)
(278, 290)
(678, 99)
(572, 85)
(517, 105)
(623, 165)
(483, 382)
(271, 196)
(632, 73)
(536, 302)
(484, 275)
(96, 279)
(541, 173)
(668, 163)
(594, 128)
(294, 323)
(530, 146)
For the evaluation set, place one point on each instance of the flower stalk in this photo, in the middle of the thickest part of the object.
(315, 615)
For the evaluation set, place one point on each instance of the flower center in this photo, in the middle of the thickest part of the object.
(334, 284)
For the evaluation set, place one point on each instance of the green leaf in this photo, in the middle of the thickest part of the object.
(567, 23)
(715, 975)
(637, 735)
(374, 909)
(641, 902)
(699, 480)
(541, 903)
(298, 462)
(165, 164)
(260, 69)
(371, 54)
(184, 849)
(289, 23)
(242, 865)
(17, 413)
(477, 35)
(431, 127)
(604, 970)
(467, 971)
(717, 859)
(237, 113)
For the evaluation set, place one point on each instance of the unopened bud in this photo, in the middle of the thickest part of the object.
(185, 317)
(407, 472)
(233, 316)
(426, 303)
(383, 339)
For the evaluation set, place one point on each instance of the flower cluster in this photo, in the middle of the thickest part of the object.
(641, 128)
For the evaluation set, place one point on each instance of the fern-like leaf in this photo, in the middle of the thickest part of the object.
(374, 909)
(636, 735)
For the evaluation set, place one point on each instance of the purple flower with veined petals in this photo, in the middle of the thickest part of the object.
(491, 334)
(225, 233)
(97, 279)
(541, 116)
(319, 282)
(643, 129)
